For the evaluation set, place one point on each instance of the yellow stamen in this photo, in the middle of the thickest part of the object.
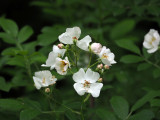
(104, 56)
(153, 39)
(44, 80)
(86, 84)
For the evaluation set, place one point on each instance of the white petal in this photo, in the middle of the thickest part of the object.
(60, 67)
(58, 51)
(84, 43)
(147, 45)
(91, 76)
(79, 88)
(155, 43)
(37, 83)
(152, 50)
(65, 38)
(95, 89)
(79, 76)
(111, 56)
(147, 37)
(102, 51)
(39, 74)
(50, 62)
(113, 62)
(106, 62)
(74, 32)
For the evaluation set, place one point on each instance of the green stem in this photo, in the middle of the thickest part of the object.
(128, 115)
(85, 100)
(28, 67)
(148, 61)
(94, 64)
(90, 60)
(82, 116)
(87, 97)
(65, 106)
(70, 59)
(49, 112)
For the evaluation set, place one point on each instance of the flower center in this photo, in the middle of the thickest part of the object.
(153, 39)
(75, 38)
(86, 84)
(104, 56)
(63, 64)
(44, 80)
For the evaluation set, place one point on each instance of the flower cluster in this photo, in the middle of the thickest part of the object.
(86, 80)
(151, 41)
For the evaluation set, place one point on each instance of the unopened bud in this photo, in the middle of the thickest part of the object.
(96, 47)
(100, 80)
(47, 90)
(100, 66)
(60, 46)
(106, 67)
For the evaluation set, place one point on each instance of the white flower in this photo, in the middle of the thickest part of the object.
(69, 35)
(62, 65)
(50, 62)
(96, 48)
(84, 43)
(107, 56)
(43, 79)
(86, 82)
(72, 34)
(151, 41)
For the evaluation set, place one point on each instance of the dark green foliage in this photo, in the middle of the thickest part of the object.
(131, 88)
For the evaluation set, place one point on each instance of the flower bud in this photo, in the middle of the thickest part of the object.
(96, 47)
(60, 46)
(100, 80)
(100, 66)
(47, 90)
(106, 67)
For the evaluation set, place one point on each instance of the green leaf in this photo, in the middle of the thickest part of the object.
(7, 38)
(143, 66)
(128, 44)
(11, 51)
(70, 115)
(24, 34)
(106, 87)
(122, 28)
(31, 104)
(121, 76)
(3, 85)
(149, 96)
(17, 61)
(104, 114)
(155, 102)
(10, 104)
(49, 35)
(29, 114)
(131, 59)
(9, 26)
(120, 106)
(156, 73)
(143, 115)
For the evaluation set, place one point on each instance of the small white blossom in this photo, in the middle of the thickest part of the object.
(62, 65)
(50, 62)
(84, 43)
(72, 34)
(151, 41)
(96, 48)
(86, 82)
(43, 79)
(107, 56)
